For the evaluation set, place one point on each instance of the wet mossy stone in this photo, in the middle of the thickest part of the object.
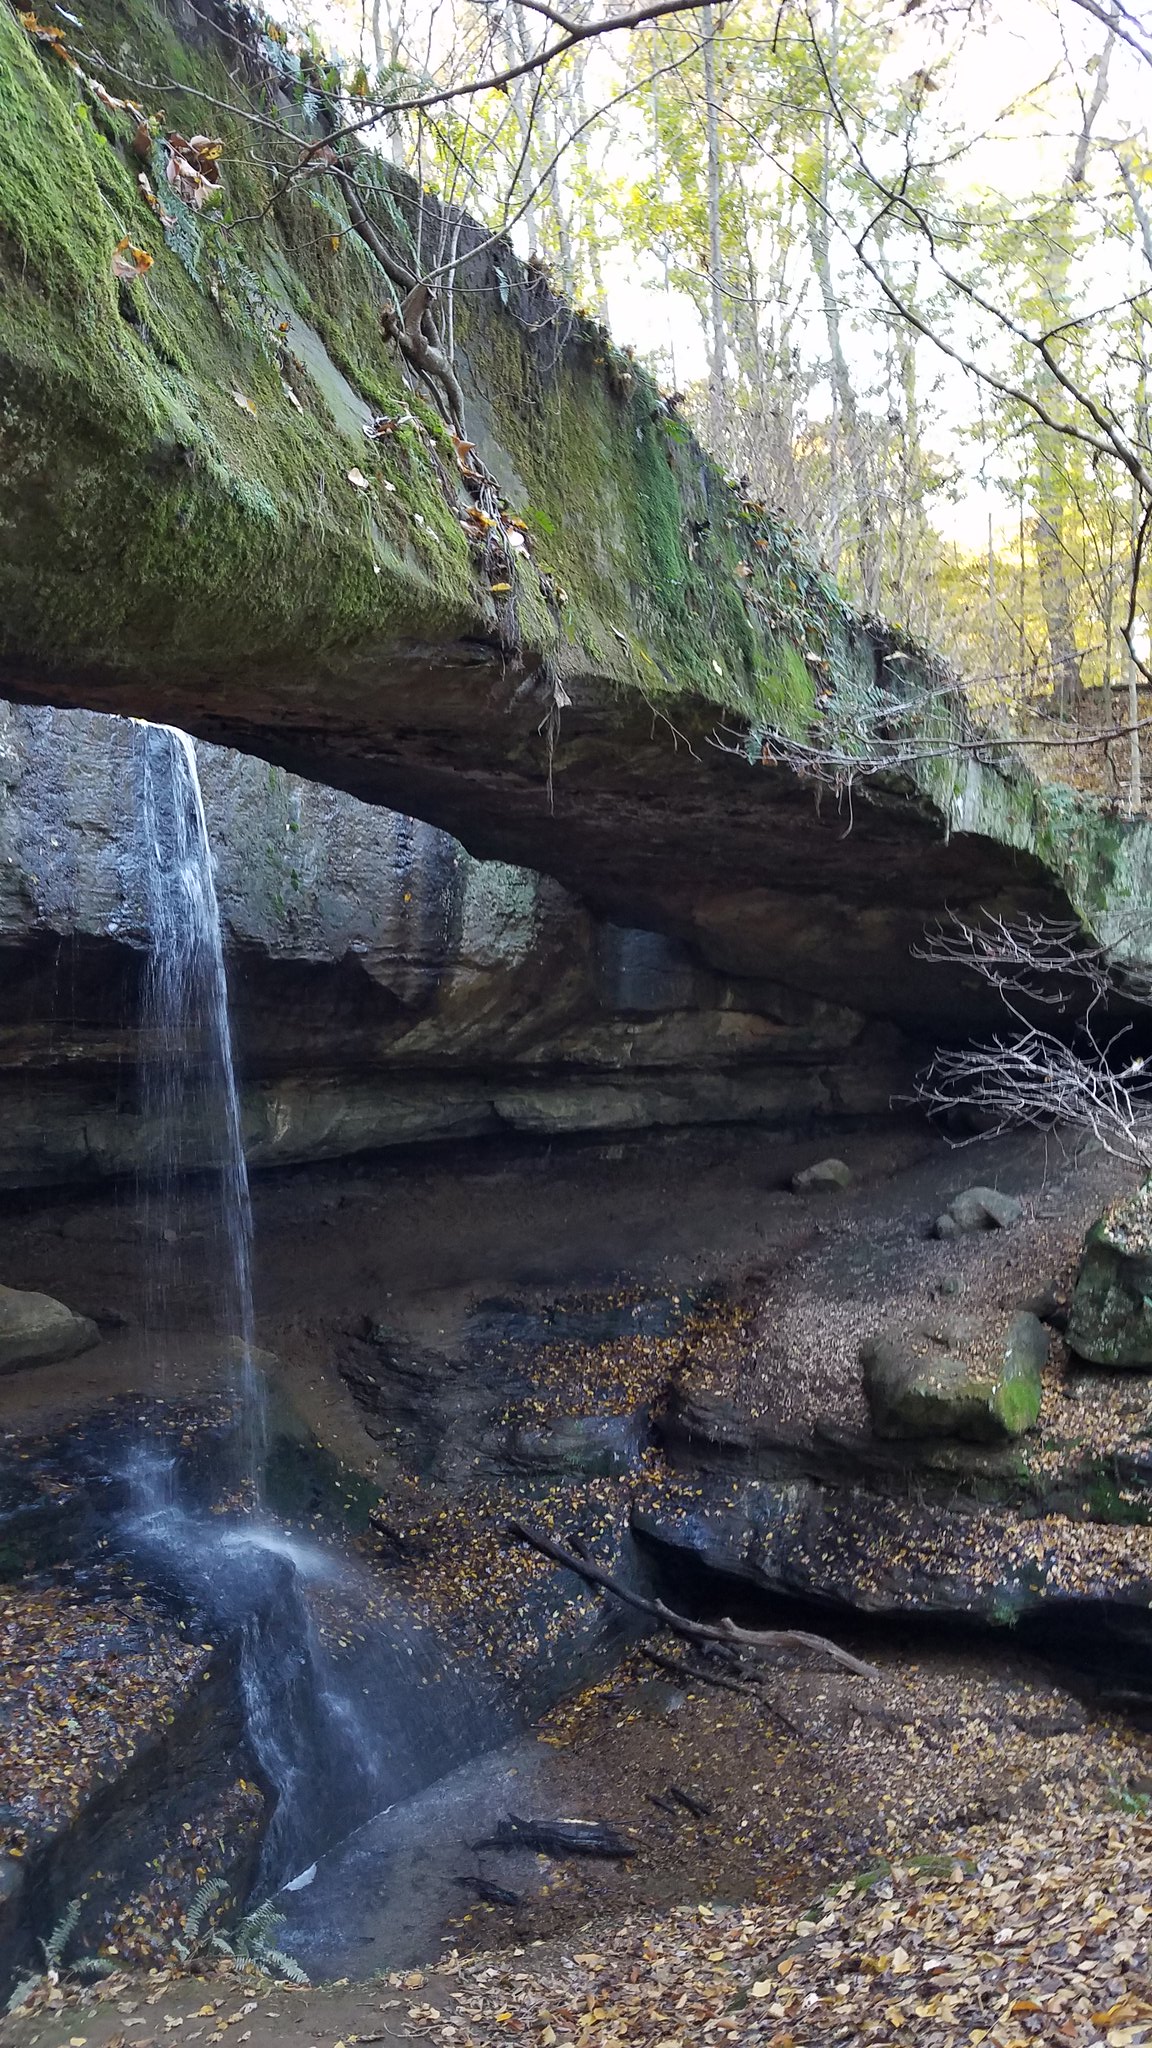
(37, 1330)
(956, 1377)
(1111, 1319)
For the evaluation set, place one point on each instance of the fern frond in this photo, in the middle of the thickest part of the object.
(277, 1962)
(92, 1966)
(253, 1930)
(209, 1892)
(22, 1992)
(61, 1935)
(256, 1923)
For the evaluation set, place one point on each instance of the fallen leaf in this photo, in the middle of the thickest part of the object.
(129, 262)
(194, 168)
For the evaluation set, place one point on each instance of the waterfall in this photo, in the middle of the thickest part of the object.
(191, 1102)
(346, 1701)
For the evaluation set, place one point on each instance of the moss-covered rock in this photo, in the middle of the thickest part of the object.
(197, 528)
(1111, 1318)
(956, 1378)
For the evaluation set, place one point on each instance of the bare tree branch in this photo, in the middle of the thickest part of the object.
(1035, 1081)
(692, 1631)
(1040, 960)
(498, 81)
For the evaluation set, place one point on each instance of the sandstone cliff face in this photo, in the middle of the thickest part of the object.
(387, 988)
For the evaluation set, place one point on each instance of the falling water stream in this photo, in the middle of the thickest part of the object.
(191, 1100)
(327, 1699)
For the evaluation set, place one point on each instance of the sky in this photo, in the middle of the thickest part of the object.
(1020, 137)
(1018, 140)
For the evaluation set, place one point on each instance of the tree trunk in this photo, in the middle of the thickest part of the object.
(1056, 597)
(820, 241)
(1051, 552)
(717, 380)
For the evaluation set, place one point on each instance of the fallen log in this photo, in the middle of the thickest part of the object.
(559, 1837)
(692, 1631)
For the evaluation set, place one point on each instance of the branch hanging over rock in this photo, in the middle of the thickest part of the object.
(692, 1631)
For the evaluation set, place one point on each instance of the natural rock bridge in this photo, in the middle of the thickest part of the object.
(197, 529)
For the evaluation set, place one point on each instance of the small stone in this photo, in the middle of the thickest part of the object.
(979, 1209)
(826, 1173)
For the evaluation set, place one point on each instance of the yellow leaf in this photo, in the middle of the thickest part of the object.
(762, 1988)
(499, 589)
(357, 477)
(130, 262)
(244, 402)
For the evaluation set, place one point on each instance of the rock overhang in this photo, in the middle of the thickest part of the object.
(183, 541)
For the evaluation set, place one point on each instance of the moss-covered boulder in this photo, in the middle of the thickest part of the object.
(957, 1377)
(1111, 1319)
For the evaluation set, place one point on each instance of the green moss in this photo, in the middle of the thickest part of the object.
(140, 491)
(636, 526)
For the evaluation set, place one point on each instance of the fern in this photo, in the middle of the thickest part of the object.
(253, 1931)
(209, 1892)
(22, 1992)
(247, 1944)
(92, 1966)
(277, 1961)
(53, 1949)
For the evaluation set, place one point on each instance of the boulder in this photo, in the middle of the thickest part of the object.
(827, 1173)
(1110, 1323)
(595, 1446)
(956, 1377)
(36, 1330)
(978, 1209)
